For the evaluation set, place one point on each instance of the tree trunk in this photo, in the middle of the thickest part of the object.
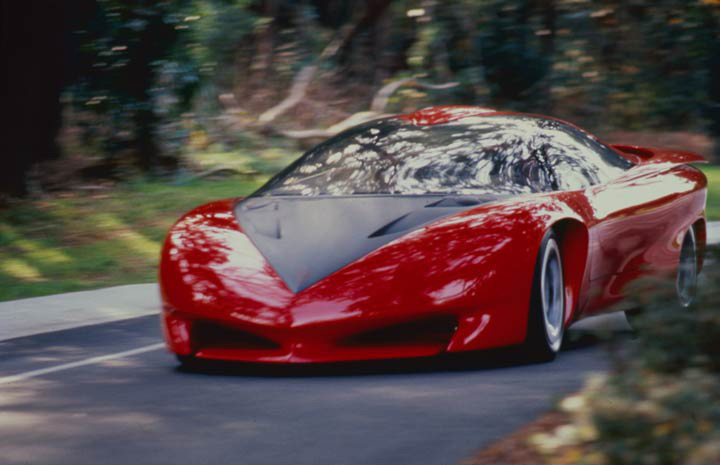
(374, 10)
(713, 110)
(34, 46)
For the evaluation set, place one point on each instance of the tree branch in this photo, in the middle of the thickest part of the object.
(339, 44)
(380, 101)
(377, 110)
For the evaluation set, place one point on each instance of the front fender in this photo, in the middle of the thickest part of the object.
(477, 266)
(503, 293)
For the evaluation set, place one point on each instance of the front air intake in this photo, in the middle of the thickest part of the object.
(209, 335)
(435, 330)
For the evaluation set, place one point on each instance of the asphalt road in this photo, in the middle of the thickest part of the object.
(109, 394)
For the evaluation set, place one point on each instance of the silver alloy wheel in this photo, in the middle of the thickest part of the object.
(552, 293)
(686, 280)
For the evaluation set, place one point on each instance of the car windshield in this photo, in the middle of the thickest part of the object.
(484, 155)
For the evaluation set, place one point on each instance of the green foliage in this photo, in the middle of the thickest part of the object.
(156, 74)
(134, 74)
(80, 241)
(512, 52)
(219, 31)
(661, 405)
(640, 417)
(713, 203)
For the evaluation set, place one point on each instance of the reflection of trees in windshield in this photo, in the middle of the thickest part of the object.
(577, 158)
(478, 156)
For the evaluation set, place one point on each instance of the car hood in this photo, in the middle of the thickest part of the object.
(305, 239)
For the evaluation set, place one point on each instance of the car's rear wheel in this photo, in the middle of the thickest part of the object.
(686, 277)
(546, 321)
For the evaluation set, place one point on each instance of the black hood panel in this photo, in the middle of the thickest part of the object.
(307, 238)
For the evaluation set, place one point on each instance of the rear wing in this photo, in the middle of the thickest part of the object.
(647, 155)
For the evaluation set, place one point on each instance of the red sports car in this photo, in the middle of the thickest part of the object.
(451, 229)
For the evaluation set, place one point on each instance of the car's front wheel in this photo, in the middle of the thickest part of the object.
(188, 362)
(546, 321)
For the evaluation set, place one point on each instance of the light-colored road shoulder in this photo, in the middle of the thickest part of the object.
(25, 317)
(713, 232)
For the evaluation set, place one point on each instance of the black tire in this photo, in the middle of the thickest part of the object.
(634, 317)
(546, 318)
(188, 362)
(687, 271)
(685, 280)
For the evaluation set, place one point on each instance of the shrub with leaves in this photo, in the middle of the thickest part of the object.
(661, 404)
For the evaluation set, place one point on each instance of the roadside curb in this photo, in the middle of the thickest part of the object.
(25, 317)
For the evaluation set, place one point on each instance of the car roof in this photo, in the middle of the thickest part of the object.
(444, 114)
(441, 114)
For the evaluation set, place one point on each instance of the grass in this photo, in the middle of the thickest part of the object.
(261, 160)
(713, 202)
(77, 241)
(83, 241)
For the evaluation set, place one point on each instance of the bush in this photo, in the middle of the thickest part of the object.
(661, 403)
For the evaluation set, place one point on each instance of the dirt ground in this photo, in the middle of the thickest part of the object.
(516, 448)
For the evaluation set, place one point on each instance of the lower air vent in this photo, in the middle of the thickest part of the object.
(207, 335)
(434, 330)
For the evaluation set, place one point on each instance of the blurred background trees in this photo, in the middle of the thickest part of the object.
(133, 85)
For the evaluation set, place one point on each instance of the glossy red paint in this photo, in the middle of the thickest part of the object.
(444, 114)
(458, 284)
(646, 155)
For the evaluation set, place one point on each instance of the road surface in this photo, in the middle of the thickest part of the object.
(107, 394)
(110, 393)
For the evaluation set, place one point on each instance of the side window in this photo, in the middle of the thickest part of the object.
(514, 161)
(537, 173)
(577, 160)
(567, 162)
